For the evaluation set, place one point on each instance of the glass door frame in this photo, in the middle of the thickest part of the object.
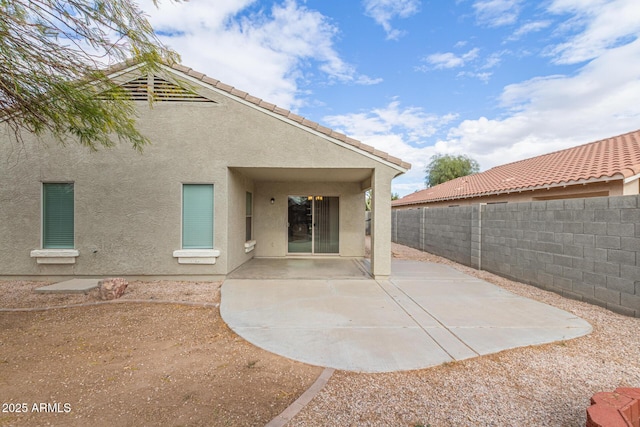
(313, 199)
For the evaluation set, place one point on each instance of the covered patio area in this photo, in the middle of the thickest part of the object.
(314, 212)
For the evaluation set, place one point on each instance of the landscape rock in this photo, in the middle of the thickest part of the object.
(112, 288)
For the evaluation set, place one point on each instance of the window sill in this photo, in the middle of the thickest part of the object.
(249, 246)
(196, 256)
(55, 256)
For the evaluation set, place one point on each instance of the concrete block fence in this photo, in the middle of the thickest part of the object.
(444, 232)
(585, 249)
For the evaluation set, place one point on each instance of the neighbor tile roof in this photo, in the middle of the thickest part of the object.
(280, 111)
(617, 157)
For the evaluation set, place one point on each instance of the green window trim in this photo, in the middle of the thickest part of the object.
(197, 216)
(58, 216)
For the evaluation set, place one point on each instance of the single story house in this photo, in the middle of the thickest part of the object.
(609, 167)
(227, 177)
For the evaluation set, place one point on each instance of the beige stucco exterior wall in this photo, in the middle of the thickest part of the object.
(380, 218)
(128, 205)
(610, 188)
(632, 187)
(238, 186)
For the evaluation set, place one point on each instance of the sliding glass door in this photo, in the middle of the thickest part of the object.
(326, 225)
(313, 225)
(300, 224)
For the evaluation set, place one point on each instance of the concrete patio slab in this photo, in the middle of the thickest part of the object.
(317, 304)
(424, 315)
(73, 286)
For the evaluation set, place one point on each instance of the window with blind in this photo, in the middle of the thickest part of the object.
(57, 216)
(249, 217)
(197, 216)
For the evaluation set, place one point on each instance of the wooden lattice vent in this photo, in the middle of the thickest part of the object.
(159, 89)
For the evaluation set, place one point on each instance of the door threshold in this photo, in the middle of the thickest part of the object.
(313, 256)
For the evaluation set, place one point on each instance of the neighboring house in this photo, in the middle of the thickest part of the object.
(610, 167)
(227, 177)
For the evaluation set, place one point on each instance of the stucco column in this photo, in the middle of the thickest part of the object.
(380, 225)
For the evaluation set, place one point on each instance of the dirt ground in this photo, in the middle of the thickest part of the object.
(136, 363)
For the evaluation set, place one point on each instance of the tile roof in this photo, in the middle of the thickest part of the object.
(277, 110)
(612, 158)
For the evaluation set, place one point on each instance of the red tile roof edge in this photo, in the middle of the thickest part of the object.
(401, 202)
(614, 158)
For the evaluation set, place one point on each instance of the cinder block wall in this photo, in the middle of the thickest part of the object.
(586, 249)
(443, 231)
(406, 228)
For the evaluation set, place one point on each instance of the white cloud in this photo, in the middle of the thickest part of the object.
(529, 27)
(267, 52)
(400, 131)
(412, 122)
(448, 60)
(484, 77)
(383, 11)
(603, 25)
(192, 15)
(493, 60)
(545, 114)
(497, 13)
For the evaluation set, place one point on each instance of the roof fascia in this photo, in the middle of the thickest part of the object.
(371, 156)
(126, 70)
(631, 178)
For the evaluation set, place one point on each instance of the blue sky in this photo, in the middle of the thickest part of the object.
(498, 80)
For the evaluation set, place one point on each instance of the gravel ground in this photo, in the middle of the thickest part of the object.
(21, 293)
(547, 385)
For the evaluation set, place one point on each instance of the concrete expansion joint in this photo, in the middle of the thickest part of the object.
(418, 323)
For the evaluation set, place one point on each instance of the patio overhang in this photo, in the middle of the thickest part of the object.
(305, 174)
(378, 180)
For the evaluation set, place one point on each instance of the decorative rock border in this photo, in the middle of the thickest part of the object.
(293, 409)
(620, 408)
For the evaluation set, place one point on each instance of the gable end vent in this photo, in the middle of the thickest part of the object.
(166, 91)
(160, 89)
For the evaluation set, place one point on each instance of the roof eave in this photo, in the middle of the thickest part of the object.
(631, 178)
(615, 177)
